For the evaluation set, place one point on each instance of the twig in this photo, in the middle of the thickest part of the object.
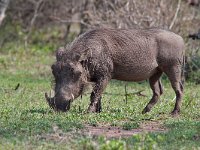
(17, 87)
(3, 8)
(176, 14)
(194, 36)
(125, 93)
(70, 21)
(138, 93)
(195, 65)
(11, 89)
(33, 20)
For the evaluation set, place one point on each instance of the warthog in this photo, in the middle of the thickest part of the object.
(100, 55)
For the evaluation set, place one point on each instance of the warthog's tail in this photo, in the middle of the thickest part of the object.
(183, 69)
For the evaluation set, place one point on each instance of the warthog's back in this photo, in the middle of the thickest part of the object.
(136, 53)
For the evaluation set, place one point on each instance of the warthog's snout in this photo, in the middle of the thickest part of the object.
(58, 103)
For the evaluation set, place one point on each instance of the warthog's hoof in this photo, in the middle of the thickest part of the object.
(175, 113)
(145, 110)
(93, 109)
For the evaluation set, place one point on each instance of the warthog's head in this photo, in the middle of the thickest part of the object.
(70, 79)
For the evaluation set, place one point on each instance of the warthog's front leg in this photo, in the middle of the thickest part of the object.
(95, 98)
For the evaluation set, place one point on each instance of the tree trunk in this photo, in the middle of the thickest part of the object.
(3, 7)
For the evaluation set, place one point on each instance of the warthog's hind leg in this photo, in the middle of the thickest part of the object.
(157, 89)
(174, 75)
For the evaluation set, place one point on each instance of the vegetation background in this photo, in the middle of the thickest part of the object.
(49, 23)
(30, 33)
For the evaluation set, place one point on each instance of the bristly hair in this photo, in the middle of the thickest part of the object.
(77, 39)
(69, 45)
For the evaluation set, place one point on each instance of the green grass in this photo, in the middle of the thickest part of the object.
(26, 122)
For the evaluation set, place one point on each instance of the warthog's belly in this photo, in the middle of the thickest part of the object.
(134, 73)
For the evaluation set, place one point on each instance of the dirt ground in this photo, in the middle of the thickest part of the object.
(102, 130)
(117, 132)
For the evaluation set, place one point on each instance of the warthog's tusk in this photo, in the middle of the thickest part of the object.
(72, 96)
(50, 101)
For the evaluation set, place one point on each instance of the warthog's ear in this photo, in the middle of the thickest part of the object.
(59, 53)
(82, 56)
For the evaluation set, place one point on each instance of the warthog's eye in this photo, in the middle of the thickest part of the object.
(71, 69)
(74, 71)
(77, 74)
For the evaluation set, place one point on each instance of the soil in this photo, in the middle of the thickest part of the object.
(117, 132)
(103, 130)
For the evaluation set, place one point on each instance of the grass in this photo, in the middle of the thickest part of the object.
(26, 122)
